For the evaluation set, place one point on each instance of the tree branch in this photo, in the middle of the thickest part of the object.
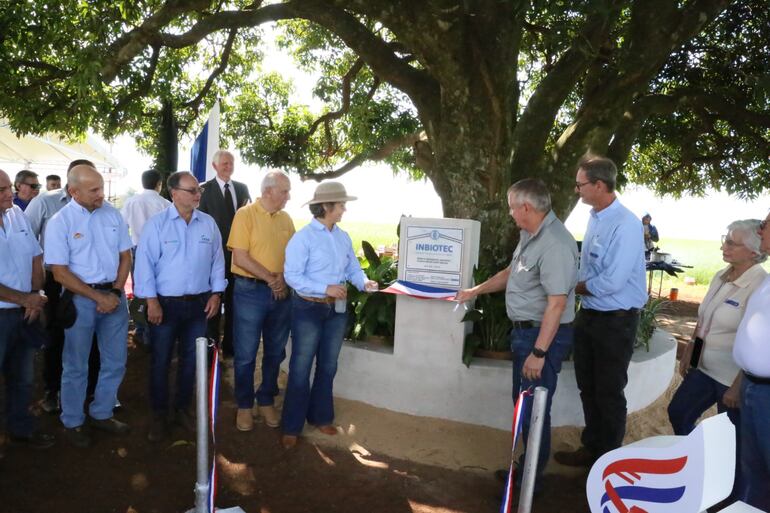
(140, 91)
(381, 153)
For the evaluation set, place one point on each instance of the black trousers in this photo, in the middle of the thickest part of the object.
(213, 328)
(603, 349)
(52, 366)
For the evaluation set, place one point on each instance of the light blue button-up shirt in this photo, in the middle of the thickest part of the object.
(174, 258)
(42, 208)
(89, 243)
(612, 260)
(18, 247)
(317, 258)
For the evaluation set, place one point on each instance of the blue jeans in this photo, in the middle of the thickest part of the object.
(256, 314)
(16, 362)
(316, 335)
(111, 335)
(522, 342)
(755, 443)
(183, 322)
(697, 393)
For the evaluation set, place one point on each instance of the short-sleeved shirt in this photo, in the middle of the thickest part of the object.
(719, 315)
(42, 208)
(89, 243)
(18, 246)
(544, 264)
(175, 258)
(752, 342)
(263, 235)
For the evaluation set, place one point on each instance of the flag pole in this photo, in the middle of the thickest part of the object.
(533, 450)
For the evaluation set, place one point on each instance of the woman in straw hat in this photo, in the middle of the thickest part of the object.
(319, 261)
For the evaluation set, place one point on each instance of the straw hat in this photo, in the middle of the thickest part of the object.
(330, 192)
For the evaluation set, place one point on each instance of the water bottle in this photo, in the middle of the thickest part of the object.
(341, 305)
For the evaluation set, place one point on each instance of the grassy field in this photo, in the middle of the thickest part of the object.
(704, 256)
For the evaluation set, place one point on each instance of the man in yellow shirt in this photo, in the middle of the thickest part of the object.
(258, 239)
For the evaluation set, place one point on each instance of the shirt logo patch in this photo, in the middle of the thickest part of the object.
(78, 235)
(732, 302)
(205, 239)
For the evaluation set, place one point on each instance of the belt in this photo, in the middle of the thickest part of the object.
(187, 297)
(610, 313)
(756, 379)
(324, 300)
(101, 286)
(527, 325)
(249, 278)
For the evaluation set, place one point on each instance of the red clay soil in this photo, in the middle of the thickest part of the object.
(130, 474)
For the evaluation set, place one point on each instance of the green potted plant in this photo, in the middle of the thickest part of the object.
(490, 325)
(373, 315)
(648, 321)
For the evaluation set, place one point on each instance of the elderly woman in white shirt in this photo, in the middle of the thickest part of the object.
(714, 377)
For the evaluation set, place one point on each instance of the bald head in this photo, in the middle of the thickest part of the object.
(86, 186)
(6, 193)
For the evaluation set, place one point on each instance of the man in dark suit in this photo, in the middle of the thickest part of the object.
(221, 198)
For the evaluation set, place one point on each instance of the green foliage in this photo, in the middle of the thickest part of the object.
(490, 321)
(373, 314)
(648, 321)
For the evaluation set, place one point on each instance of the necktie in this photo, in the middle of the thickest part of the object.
(229, 208)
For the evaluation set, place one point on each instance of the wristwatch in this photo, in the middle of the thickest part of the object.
(538, 353)
(116, 291)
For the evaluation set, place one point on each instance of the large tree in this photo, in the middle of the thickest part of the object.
(473, 94)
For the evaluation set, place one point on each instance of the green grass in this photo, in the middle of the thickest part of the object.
(375, 233)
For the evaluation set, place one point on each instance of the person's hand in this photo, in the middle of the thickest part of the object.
(154, 311)
(276, 281)
(212, 306)
(732, 396)
(684, 361)
(106, 302)
(371, 286)
(33, 301)
(465, 295)
(31, 314)
(532, 368)
(337, 291)
(281, 295)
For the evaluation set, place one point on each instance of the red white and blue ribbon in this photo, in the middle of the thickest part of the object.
(420, 291)
(516, 426)
(213, 403)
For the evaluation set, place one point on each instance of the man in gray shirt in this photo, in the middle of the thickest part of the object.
(539, 296)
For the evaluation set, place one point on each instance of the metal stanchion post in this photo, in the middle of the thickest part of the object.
(202, 413)
(533, 449)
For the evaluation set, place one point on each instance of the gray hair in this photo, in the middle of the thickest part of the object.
(219, 153)
(749, 228)
(532, 191)
(600, 168)
(271, 180)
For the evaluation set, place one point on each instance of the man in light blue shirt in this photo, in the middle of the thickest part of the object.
(180, 270)
(611, 283)
(21, 276)
(88, 251)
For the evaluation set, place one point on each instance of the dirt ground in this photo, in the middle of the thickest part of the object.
(381, 462)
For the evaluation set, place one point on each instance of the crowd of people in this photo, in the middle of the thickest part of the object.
(730, 368)
(211, 252)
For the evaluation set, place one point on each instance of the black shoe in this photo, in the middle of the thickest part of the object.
(50, 402)
(78, 437)
(183, 419)
(158, 429)
(36, 440)
(580, 457)
(111, 425)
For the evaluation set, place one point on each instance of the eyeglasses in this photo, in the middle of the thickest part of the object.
(578, 185)
(196, 190)
(34, 186)
(730, 243)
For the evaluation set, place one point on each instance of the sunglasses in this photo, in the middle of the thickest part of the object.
(34, 186)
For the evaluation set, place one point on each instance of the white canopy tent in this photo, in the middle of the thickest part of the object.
(51, 153)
